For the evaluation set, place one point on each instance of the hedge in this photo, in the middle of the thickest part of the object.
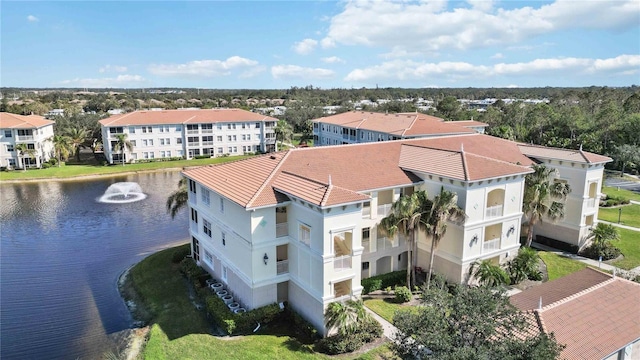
(244, 323)
(379, 282)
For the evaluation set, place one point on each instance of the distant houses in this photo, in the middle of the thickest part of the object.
(34, 131)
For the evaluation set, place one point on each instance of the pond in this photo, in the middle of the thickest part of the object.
(62, 252)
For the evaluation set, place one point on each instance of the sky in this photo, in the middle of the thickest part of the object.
(326, 44)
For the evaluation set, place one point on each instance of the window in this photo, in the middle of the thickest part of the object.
(193, 140)
(150, 142)
(116, 130)
(244, 126)
(147, 129)
(221, 205)
(7, 134)
(194, 215)
(224, 273)
(193, 128)
(195, 248)
(219, 138)
(145, 142)
(178, 141)
(304, 234)
(12, 162)
(206, 227)
(219, 126)
(9, 147)
(31, 146)
(366, 234)
(205, 195)
(220, 150)
(208, 258)
(132, 130)
(133, 142)
(178, 128)
(365, 265)
(162, 154)
(165, 141)
(207, 128)
(179, 153)
(223, 236)
(192, 186)
(257, 125)
(163, 128)
(161, 141)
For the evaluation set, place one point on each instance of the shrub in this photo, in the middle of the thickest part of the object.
(233, 323)
(382, 281)
(202, 157)
(614, 201)
(607, 251)
(403, 294)
(300, 324)
(524, 266)
(338, 344)
(53, 161)
(180, 253)
(370, 330)
(45, 165)
(190, 269)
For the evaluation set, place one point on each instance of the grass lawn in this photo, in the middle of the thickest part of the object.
(611, 191)
(386, 308)
(559, 266)
(69, 171)
(629, 244)
(180, 331)
(630, 215)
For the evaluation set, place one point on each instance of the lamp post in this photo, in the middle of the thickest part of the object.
(619, 214)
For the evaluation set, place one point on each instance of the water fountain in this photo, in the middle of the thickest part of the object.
(122, 193)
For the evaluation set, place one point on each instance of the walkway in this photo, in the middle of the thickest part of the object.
(620, 225)
(389, 330)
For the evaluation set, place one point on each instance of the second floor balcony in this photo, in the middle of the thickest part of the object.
(384, 210)
(493, 211)
(342, 263)
(24, 138)
(282, 267)
(491, 245)
(282, 229)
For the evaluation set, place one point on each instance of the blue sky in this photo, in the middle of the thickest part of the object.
(327, 44)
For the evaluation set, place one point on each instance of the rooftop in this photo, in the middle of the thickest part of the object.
(187, 116)
(15, 121)
(579, 156)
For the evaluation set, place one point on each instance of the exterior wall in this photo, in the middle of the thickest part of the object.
(39, 139)
(237, 138)
(329, 134)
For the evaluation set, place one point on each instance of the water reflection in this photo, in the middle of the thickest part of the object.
(61, 255)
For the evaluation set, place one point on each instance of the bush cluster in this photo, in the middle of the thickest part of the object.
(403, 294)
(614, 201)
(524, 266)
(244, 323)
(190, 269)
(368, 331)
(607, 251)
(174, 158)
(180, 254)
(300, 324)
(382, 281)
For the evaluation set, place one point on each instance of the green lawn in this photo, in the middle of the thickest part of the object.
(629, 244)
(630, 215)
(386, 308)
(559, 266)
(69, 171)
(611, 191)
(180, 331)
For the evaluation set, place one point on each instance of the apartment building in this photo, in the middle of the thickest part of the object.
(33, 130)
(302, 225)
(359, 127)
(188, 133)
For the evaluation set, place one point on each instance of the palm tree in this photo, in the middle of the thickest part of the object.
(444, 209)
(77, 137)
(24, 151)
(122, 144)
(62, 147)
(345, 316)
(283, 131)
(602, 234)
(409, 215)
(543, 198)
(178, 199)
(488, 273)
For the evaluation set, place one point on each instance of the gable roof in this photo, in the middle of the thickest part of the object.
(594, 322)
(579, 156)
(15, 121)
(400, 124)
(201, 116)
(315, 192)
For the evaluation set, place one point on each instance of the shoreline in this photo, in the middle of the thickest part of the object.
(93, 176)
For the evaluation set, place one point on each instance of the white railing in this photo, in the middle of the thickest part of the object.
(25, 138)
(282, 229)
(342, 263)
(207, 142)
(207, 131)
(384, 243)
(493, 211)
(491, 245)
(193, 131)
(366, 212)
(383, 210)
(196, 144)
(282, 267)
(591, 202)
(366, 244)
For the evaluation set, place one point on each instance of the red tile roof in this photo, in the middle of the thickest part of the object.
(592, 321)
(401, 125)
(315, 192)
(15, 121)
(203, 116)
(578, 156)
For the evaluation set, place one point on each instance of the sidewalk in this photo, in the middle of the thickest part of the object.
(388, 329)
(620, 225)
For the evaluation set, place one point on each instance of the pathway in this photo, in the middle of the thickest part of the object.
(389, 330)
(620, 225)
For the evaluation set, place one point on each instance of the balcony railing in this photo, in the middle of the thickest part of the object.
(366, 244)
(345, 136)
(591, 202)
(282, 229)
(491, 245)
(25, 138)
(342, 263)
(383, 210)
(383, 243)
(193, 131)
(282, 266)
(207, 143)
(494, 211)
(196, 144)
(366, 212)
(207, 131)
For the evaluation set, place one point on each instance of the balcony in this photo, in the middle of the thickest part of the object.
(193, 131)
(591, 203)
(493, 211)
(383, 243)
(24, 138)
(282, 267)
(383, 210)
(193, 144)
(282, 229)
(207, 143)
(207, 131)
(366, 212)
(491, 245)
(366, 244)
(342, 263)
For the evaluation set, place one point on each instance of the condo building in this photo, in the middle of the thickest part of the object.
(34, 131)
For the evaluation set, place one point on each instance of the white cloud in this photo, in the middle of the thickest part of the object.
(113, 68)
(482, 5)
(497, 56)
(332, 60)
(430, 26)
(119, 81)
(32, 18)
(305, 46)
(295, 71)
(252, 72)
(404, 70)
(208, 68)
